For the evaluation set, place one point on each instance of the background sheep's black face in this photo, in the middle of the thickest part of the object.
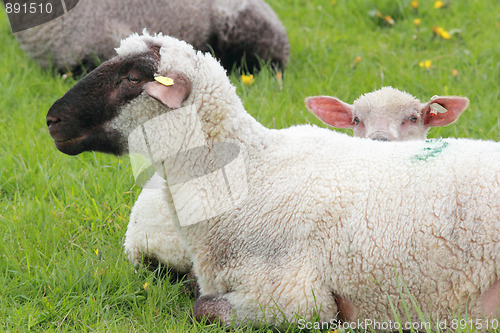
(77, 121)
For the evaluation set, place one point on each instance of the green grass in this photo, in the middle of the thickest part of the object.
(57, 211)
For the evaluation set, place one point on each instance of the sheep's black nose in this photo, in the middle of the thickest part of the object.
(380, 138)
(52, 120)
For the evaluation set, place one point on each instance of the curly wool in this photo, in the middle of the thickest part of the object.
(330, 219)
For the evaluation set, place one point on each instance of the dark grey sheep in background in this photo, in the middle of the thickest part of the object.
(233, 29)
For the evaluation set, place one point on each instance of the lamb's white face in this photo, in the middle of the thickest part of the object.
(388, 114)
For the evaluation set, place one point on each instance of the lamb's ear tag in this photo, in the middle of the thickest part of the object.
(166, 81)
(437, 108)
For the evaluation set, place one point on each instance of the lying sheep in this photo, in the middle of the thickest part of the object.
(331, 224)
(388, 114)
(234, 30)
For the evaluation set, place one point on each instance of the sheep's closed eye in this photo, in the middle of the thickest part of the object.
(356, 120)
(413, 118)
(132, 79)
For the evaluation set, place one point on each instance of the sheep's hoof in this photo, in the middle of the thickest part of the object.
(189, 283)
(191, 286)
(212, 309)
(153, 265)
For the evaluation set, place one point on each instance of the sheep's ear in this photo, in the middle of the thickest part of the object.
(170, 95)
(443, 110)
(331, 111)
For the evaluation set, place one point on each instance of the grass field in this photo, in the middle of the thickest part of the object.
(63, 219)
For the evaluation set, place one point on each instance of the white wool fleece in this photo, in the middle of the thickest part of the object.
(152, 235)
(339, 224)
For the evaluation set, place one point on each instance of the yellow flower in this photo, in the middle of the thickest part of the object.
(247, 79)
(454, 72)
(438, 4)
(96, 252)
(145, 285)
(356, 61)
(445, 34)
(389, 20)
(425, 64)
(441, 32)
(279, 78)
(334, 2)
(414, 4)
(417, 21)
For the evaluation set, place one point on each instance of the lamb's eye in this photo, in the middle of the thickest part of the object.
(133, 79)
(356, 120)
(413, 119)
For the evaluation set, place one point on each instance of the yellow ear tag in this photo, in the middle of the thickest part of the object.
(166, 81)
(437, 108)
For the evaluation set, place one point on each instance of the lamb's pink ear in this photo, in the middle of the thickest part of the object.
(447, 111)
(331, 111)
(171, 96)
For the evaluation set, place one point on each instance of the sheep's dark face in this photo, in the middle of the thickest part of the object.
(78, 121)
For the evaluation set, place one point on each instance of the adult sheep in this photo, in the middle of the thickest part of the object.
(388, 114)
(330, 224)
(234, 30)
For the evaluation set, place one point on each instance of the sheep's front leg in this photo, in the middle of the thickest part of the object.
(151, 236)
(213, 308)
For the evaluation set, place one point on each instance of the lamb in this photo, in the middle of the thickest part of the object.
(234, 30)
(329, 223)
(388, 114)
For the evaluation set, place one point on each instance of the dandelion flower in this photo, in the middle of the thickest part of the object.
(96, 252)
(279, 78)
(417, 22)
(356, 61)
(389, 20)
(445, 34)
(425, 64)
(414, 4)
(145, 285)
(454, 72)
(247, 79)
(441, 32)
(438, 4)
(334, 2)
